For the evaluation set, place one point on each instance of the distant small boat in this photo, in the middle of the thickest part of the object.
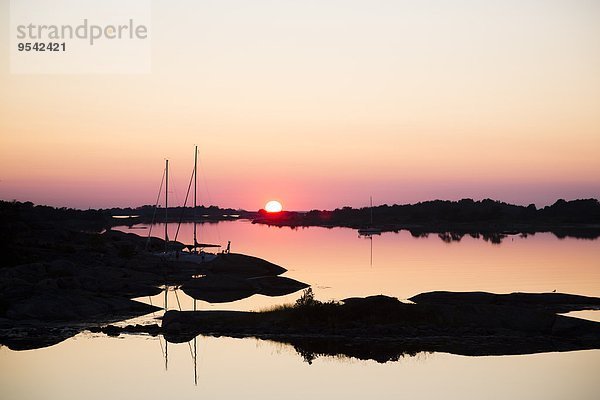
(371, 230)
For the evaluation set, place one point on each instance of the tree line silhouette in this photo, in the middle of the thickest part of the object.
(580, 218)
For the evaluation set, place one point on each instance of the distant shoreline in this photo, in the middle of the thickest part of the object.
(455, 232)
(454, 219)
(451, 220)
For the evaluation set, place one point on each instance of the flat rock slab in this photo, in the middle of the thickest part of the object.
(225, 288)
(219, 288)
(73, 306)
(277, 285)
(243, 266)
(552, 302)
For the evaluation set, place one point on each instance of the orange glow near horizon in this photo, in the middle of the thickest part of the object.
(397, 101)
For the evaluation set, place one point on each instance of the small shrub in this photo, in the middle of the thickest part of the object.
(307, 299)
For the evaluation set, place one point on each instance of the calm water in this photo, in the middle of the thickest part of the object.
(338, 264)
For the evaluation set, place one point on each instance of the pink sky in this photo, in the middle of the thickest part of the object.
(320, 106)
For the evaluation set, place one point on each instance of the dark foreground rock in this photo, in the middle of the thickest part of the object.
(243, 266)
(226, 288)
(56, 280)
(552, 302)
(383, 328)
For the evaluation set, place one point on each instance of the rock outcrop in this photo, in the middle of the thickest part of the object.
(383, 328)
(58, 281)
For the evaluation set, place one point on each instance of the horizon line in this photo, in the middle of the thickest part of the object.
(300, 211)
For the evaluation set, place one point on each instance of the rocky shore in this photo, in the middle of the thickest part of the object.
(383, 329)
(58, 277)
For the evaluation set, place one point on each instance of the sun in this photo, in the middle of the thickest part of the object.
(273, 206)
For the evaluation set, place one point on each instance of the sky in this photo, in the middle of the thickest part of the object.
(320, 104)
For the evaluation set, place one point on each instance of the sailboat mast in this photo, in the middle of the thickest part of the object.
(195, 363)
(166, 342)
(195, 193)
(371, 198)
(166, 203)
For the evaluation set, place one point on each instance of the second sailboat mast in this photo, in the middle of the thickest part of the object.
(166, 205)
(195, 193)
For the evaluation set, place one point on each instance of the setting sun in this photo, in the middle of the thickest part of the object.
(273, 206)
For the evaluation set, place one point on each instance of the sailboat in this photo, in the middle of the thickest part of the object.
(196, 251)
(370, 230)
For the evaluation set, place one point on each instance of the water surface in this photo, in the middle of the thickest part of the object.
(338, 264)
